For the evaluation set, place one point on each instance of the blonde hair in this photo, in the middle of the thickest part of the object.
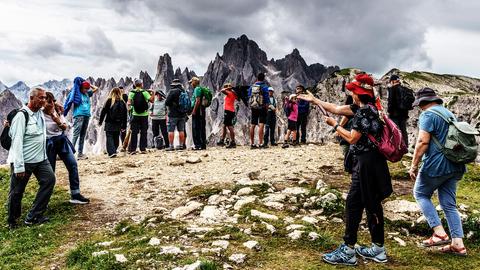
(115, 94)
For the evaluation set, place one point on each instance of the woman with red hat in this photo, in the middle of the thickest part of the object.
(371, 182)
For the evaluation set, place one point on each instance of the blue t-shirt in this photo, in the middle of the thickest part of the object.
(434, 161)
(83, 109)
(266, 97)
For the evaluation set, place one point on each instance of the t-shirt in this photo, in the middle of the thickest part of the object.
(131, 95)
(293, 116)
(83, 109)
(434, 161)
(229, 102)
(197, 92)
(365, 121)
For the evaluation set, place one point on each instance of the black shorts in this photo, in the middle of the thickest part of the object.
(292, 125)
(228, 117)
(259, 116)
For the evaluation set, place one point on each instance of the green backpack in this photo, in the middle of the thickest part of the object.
(207, 96)
(460, 145)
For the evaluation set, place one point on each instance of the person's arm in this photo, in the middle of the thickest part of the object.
(169, 99)
(421, 147)
(150, 97)
(94, 89)
(351, 137)
(17, 133)
(329, 107)
(103, 113)
(343, 121)
(58, 120)
(196, 106)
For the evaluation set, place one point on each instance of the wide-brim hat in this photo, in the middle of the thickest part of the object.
(426, 94)
(161, 93)
(362, 85)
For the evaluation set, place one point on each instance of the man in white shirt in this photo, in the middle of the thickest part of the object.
(27, 156)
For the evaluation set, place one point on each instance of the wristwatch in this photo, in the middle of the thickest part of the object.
(335, 127)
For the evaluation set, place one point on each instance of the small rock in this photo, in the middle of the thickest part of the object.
(400, 241)
(212, 214)
(227, 266)
(295, 190)
(244, 191)
(269, 227)
(237, 258)
(321, 184)
(463, 207)
(199, 229)
(313, 236)
(240, 203)
(470, 234)
(193, 160)
(294, 227)
(295, 235)
(105, 244)
(275, 205)
(275, 197)
(221, 243)
(193, 266)
(99, 253)
(120, 258)
(253, 175)
(226, 192)
(328, 198)
(185, 210)
(216, 199)
(237, 171)
(252, 245)
(289, 220)
(256, 213)
(154, 241)
(171, 250)
(337, 220)
(310, 220)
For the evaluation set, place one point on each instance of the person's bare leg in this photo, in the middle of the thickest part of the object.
(171, 137)
(252, 134)
(232, 133)
(260, 133)
(181, 136)
(294, 136)
(224, 133)
(287, 136)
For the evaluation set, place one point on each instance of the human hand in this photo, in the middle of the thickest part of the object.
(20, 175)
(307, 97)
(330, 121)
(413, 172)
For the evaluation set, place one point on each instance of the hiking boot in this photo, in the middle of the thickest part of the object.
(221, 143)
(143, 151)
(232, 145)
(342, 255)
(79, 199)
(375, 253)
(36, 220)
(263, 146)
(170, 148)
(113, 155)
(82, 157)
(274, 144)
(179, 148)
(196, 148)
(285, 145)
(184, 147)
(253, 146)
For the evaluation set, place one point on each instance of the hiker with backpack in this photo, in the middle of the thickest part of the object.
(80, 96)
(228, 115)
(444, 160)
(59, 145)
(258, 102)
(400, 100)
(114, 112)
(371, 182)
(271, 119)
(27, 155)
(201, 99)
(303, 113)
(290, 106)
(158, 114)
(137, 104)
(178, 104)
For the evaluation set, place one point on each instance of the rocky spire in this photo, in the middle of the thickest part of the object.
(147, 80)
(165, 73)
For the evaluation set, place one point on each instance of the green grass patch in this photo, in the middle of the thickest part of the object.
(27, 247)
(203, 192)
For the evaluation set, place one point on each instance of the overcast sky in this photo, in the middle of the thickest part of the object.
(56, 39)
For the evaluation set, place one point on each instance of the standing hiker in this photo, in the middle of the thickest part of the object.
(290, 106)
(303, 112)
(158, 114)
(371, 182)
(137, 103)
(198, 116)
(228, 115)
(271, 119)
(258, 102)
(178, 104)
(114, 112)
(400, 101)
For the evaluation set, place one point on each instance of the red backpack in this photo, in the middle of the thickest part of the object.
(391, 145)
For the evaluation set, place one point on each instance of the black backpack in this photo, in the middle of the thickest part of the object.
(117, 111)
(140, 105)
(5, 139)
(406, 98)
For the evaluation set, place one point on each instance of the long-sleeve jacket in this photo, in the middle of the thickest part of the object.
(118, 122)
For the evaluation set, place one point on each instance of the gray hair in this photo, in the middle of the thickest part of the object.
(34, 90)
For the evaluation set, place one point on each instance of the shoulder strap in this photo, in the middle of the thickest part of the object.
(25, 113)
(437, 112)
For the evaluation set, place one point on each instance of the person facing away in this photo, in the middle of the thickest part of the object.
(59, 145)
(114, 113)
(198, 116)
(371, 181)
(27, 156)
(398, 114)
(291, 105)
(258, 101)
(81, 116)
(271, 119)
(158, 114)
(437, 173)
(228, 116)
(138, 100)
(176, 116)
(303, 113)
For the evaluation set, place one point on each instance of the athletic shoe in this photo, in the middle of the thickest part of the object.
(285, 145)
(143, 152)
(221, 143)
(374, 253)
(342, 255)
(170, 148)
(274, 144)
(253, 146)
(79, 199)
(231, 145)
(263, 146)
(113, 155)
(82, 157)
(36, 220)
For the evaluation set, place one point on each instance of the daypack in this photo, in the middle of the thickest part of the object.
(139, 103)
(5, 139)
(460, 145)
(158, 142)
(117, 111)
(207, 96)
(406, 98)
(184, 102)
(256, 97)
(391, 144)
(287, 108)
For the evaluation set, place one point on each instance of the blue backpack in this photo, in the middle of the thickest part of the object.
(184, 102)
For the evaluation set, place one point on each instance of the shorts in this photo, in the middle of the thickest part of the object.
(228, 117)
(176, 123)
(292, 125)
(259, 116)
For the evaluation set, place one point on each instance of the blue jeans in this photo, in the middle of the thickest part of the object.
(80, 125)
(72, 168)
(447, 189)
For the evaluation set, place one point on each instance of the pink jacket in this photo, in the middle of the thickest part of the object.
(294, 112)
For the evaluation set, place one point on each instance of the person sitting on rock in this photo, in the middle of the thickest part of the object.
(291, 109)
(228, 115)
(371, 181)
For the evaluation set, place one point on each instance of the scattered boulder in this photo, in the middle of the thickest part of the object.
(275, 197)
(295, 190)
(295, 235)
(313, 236)
(246, 200)
(321, 185)
(177, 162)
(328, 199)
(171, 250)
(256, 213)
(195, 229)
(213, 214)
(104, 244)
(193, 266)
(221, 243)
(269, 227)
(237, 258)
(120, 258)
(401, 210)
(253, 175)
(252, 245)
(154, 241)
(310, 220)
(182, 211)
(193, 160)
(244, 191)
(294, 227)
(216, 199)
(400, 241)
(275, 205)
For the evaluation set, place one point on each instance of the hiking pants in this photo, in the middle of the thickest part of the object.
(270, 128)
(302, 126)
(160, 125)
(80, 125)
(199, 133)
(402, 125)
(138, 124)
(46, 181)
(113, 140)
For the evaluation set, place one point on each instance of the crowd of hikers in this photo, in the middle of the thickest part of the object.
(36, 138)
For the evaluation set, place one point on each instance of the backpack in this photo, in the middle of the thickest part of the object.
(406, 98)
(140, 105)
(117, 111)
(256, 97)
(5, 139)
(158, 142)
(184, 102)
(207, 96)
(286, 107)
(391, 145)
(460, 145)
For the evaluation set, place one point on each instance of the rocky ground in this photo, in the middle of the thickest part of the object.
(230, 209)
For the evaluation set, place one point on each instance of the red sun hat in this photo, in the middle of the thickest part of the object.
(362, 85)
(86, 85)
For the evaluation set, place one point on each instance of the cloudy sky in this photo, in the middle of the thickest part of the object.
(55, 39)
